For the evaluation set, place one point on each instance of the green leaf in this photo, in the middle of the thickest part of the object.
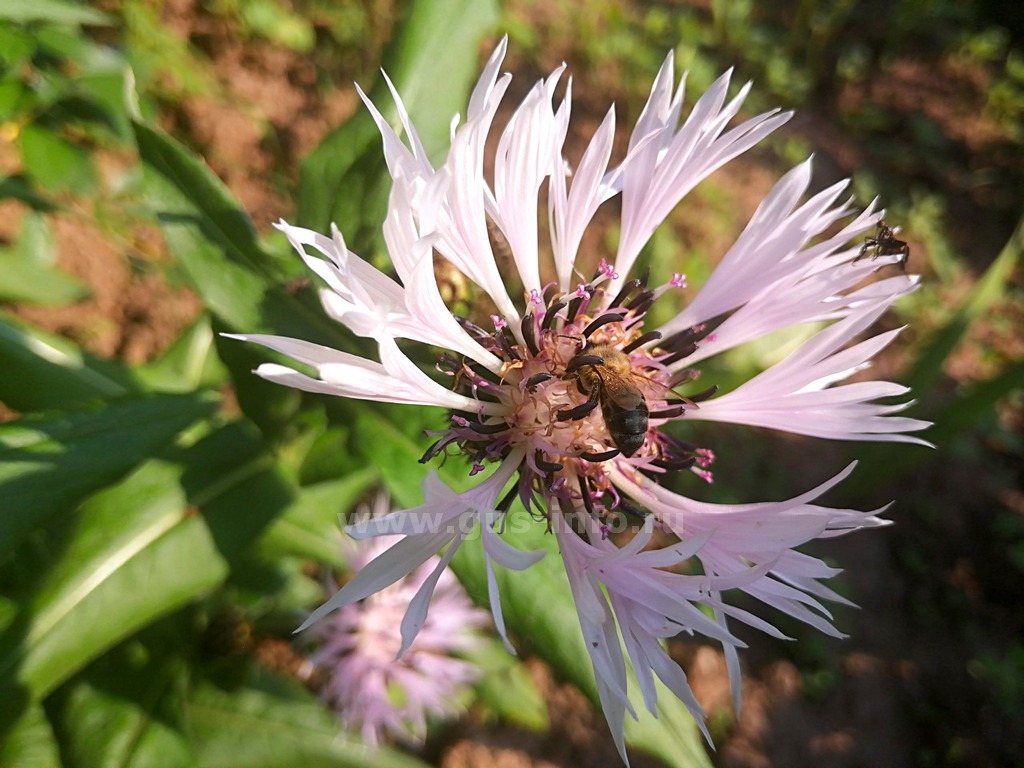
(51, 372)
(988, 290)
(32, 283)
(975, 402)
(232, 477)
(547, 626)
(432, 62)
(311, 526)
(215, 242)
(507, 689)
(190, 363)
(283, 728)
(30, 742)
(21, 11)
(19, 188)
(131, 554)
(27, 273)
(54, 162)
(48, 465)
(125, 711)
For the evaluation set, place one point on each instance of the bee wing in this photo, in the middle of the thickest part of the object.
(622, 392)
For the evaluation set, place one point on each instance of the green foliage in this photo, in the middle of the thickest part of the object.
(141, 510)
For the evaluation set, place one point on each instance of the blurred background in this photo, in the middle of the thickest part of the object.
(166, 519)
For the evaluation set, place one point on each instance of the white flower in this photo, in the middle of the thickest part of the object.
(566, 394)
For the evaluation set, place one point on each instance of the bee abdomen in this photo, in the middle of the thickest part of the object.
(627, 427)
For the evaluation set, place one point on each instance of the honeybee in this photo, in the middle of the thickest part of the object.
(885, 243)
(605, 375)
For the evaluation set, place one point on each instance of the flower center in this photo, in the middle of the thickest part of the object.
(580, 387)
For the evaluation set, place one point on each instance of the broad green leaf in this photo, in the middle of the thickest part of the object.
(284, 728)
(537, 603)
(30, 742)
(131, 554)
(54, 162)
(216, 244)
(125, 711)
(432, 62)
(36, 240)
(232, 477)
(311, 526)
(190, 363)
(49, 464)
(27, 273)
(33, 283)
(43, 371)
(21, 11)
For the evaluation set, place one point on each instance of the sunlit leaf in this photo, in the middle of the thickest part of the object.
(126, 711)
(131, 554)
(54, 162)
(190, 363)
(312, 525)
(432, 62)
(44, 371)
(253, 728)
(49, 464)
(29, 742)
(216, 244)
(51, 10)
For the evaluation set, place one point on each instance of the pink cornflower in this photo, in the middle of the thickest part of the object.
(567, 394)
(371, 688)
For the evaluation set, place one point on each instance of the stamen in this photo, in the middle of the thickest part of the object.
(667, 413)
(597, 458)
(436, 447)
(609, 317)
(627, 289)
(640, 298)
(580, 360)
(638, 342)
(703, 395)
(530, 334)
(572, 414)
(537, 378)
(588, 501)
(488, 429)
(505, 504)
(549, 316)
(542, 463)
(676, 357)
(505, 341)
(682, 339)
(670, 463)
(632, 509)
(644, 299)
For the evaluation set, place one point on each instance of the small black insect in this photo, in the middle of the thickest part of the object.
(885, 243)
